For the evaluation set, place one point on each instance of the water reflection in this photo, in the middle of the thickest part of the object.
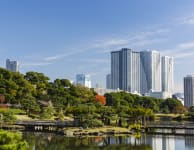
(146, 142)
(159, 142)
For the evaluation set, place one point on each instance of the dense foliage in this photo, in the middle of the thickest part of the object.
(12, 141)
(40, 98)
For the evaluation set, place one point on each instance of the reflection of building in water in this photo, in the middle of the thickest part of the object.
(131, 140)
(189, 141)
(161, 142)
(168, 143)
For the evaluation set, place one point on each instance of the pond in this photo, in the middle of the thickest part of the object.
(47, 141)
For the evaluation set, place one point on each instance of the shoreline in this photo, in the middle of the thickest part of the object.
(99, 131)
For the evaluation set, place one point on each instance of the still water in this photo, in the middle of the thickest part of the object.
(46, 141)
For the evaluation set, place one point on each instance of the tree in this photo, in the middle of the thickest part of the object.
(29, 103)
(83, 94)
(2, 98)
(100, 99)
(8, 117)
(48, 112)
(170, 104)
(179, 110)
(12, 141)
(40, 82)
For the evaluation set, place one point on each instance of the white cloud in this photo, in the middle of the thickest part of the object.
(181, 50)
(58, 56)
(110, 42)
(187, 45)
(184, 55)
(34, 64)
(189, 20)
(138, 39)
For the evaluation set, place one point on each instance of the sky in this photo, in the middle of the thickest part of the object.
(62, 38)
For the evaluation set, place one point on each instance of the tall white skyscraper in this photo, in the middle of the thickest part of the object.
(12, 65)
(189, 91)
(167, 74)
(140, 72)
(151, 71)
(130, 70)
(83, 80)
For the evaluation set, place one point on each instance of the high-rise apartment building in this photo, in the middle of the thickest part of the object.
(116, 70)
(140, 72)
(151, 71)
(189, 91)
(130, 70)
(167, 74)
(83, 80)
(108, 81)
(12, 65)
(125, 70)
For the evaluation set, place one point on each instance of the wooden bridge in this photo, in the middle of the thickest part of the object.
(51, 126)
(170, 128)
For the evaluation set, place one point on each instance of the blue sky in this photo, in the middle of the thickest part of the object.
(64, 37)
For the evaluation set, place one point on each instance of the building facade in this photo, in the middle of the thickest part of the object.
(167, 74)
(84, 80)
(151, 71)
(141, 72)
(12, 65)
(189, 91)
(108, 81)
(125, 70)
(116, 70)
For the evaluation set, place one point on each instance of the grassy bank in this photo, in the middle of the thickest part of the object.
(96, 131)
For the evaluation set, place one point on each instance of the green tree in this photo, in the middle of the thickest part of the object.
(8, 117)
(12, 141)
(29, 103)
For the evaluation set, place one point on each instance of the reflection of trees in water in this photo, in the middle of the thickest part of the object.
(56, 142)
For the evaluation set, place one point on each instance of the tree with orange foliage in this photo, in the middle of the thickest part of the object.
(2, 98)
(100, 99)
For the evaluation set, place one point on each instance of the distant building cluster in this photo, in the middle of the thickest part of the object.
(84, 80)
(12, 65)
(144, 72)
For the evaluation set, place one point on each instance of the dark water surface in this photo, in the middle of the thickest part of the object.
(46, 141)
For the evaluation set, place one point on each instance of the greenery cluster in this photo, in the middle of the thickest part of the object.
(40, 98)
(12, 141)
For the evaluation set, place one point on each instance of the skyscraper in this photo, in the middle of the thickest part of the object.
(151, 71)
(108, 81)
(189, 91)
(130, 70)
(83, 80)
(11, 65)
(167, 74)
(125, 70)
(116, 71)
(140, 72)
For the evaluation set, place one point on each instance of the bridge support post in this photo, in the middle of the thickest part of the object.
(173, 131)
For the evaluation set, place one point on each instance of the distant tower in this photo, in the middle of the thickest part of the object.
(125, 70)
(167, 74)
(108, 81)
(83, 80)
(12, 65)
(189, 91)
(151, 71)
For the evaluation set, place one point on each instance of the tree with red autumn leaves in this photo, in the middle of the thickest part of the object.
(100, 99)
(2, 98)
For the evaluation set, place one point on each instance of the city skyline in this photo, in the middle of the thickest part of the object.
(141, 71)
(78, 36)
